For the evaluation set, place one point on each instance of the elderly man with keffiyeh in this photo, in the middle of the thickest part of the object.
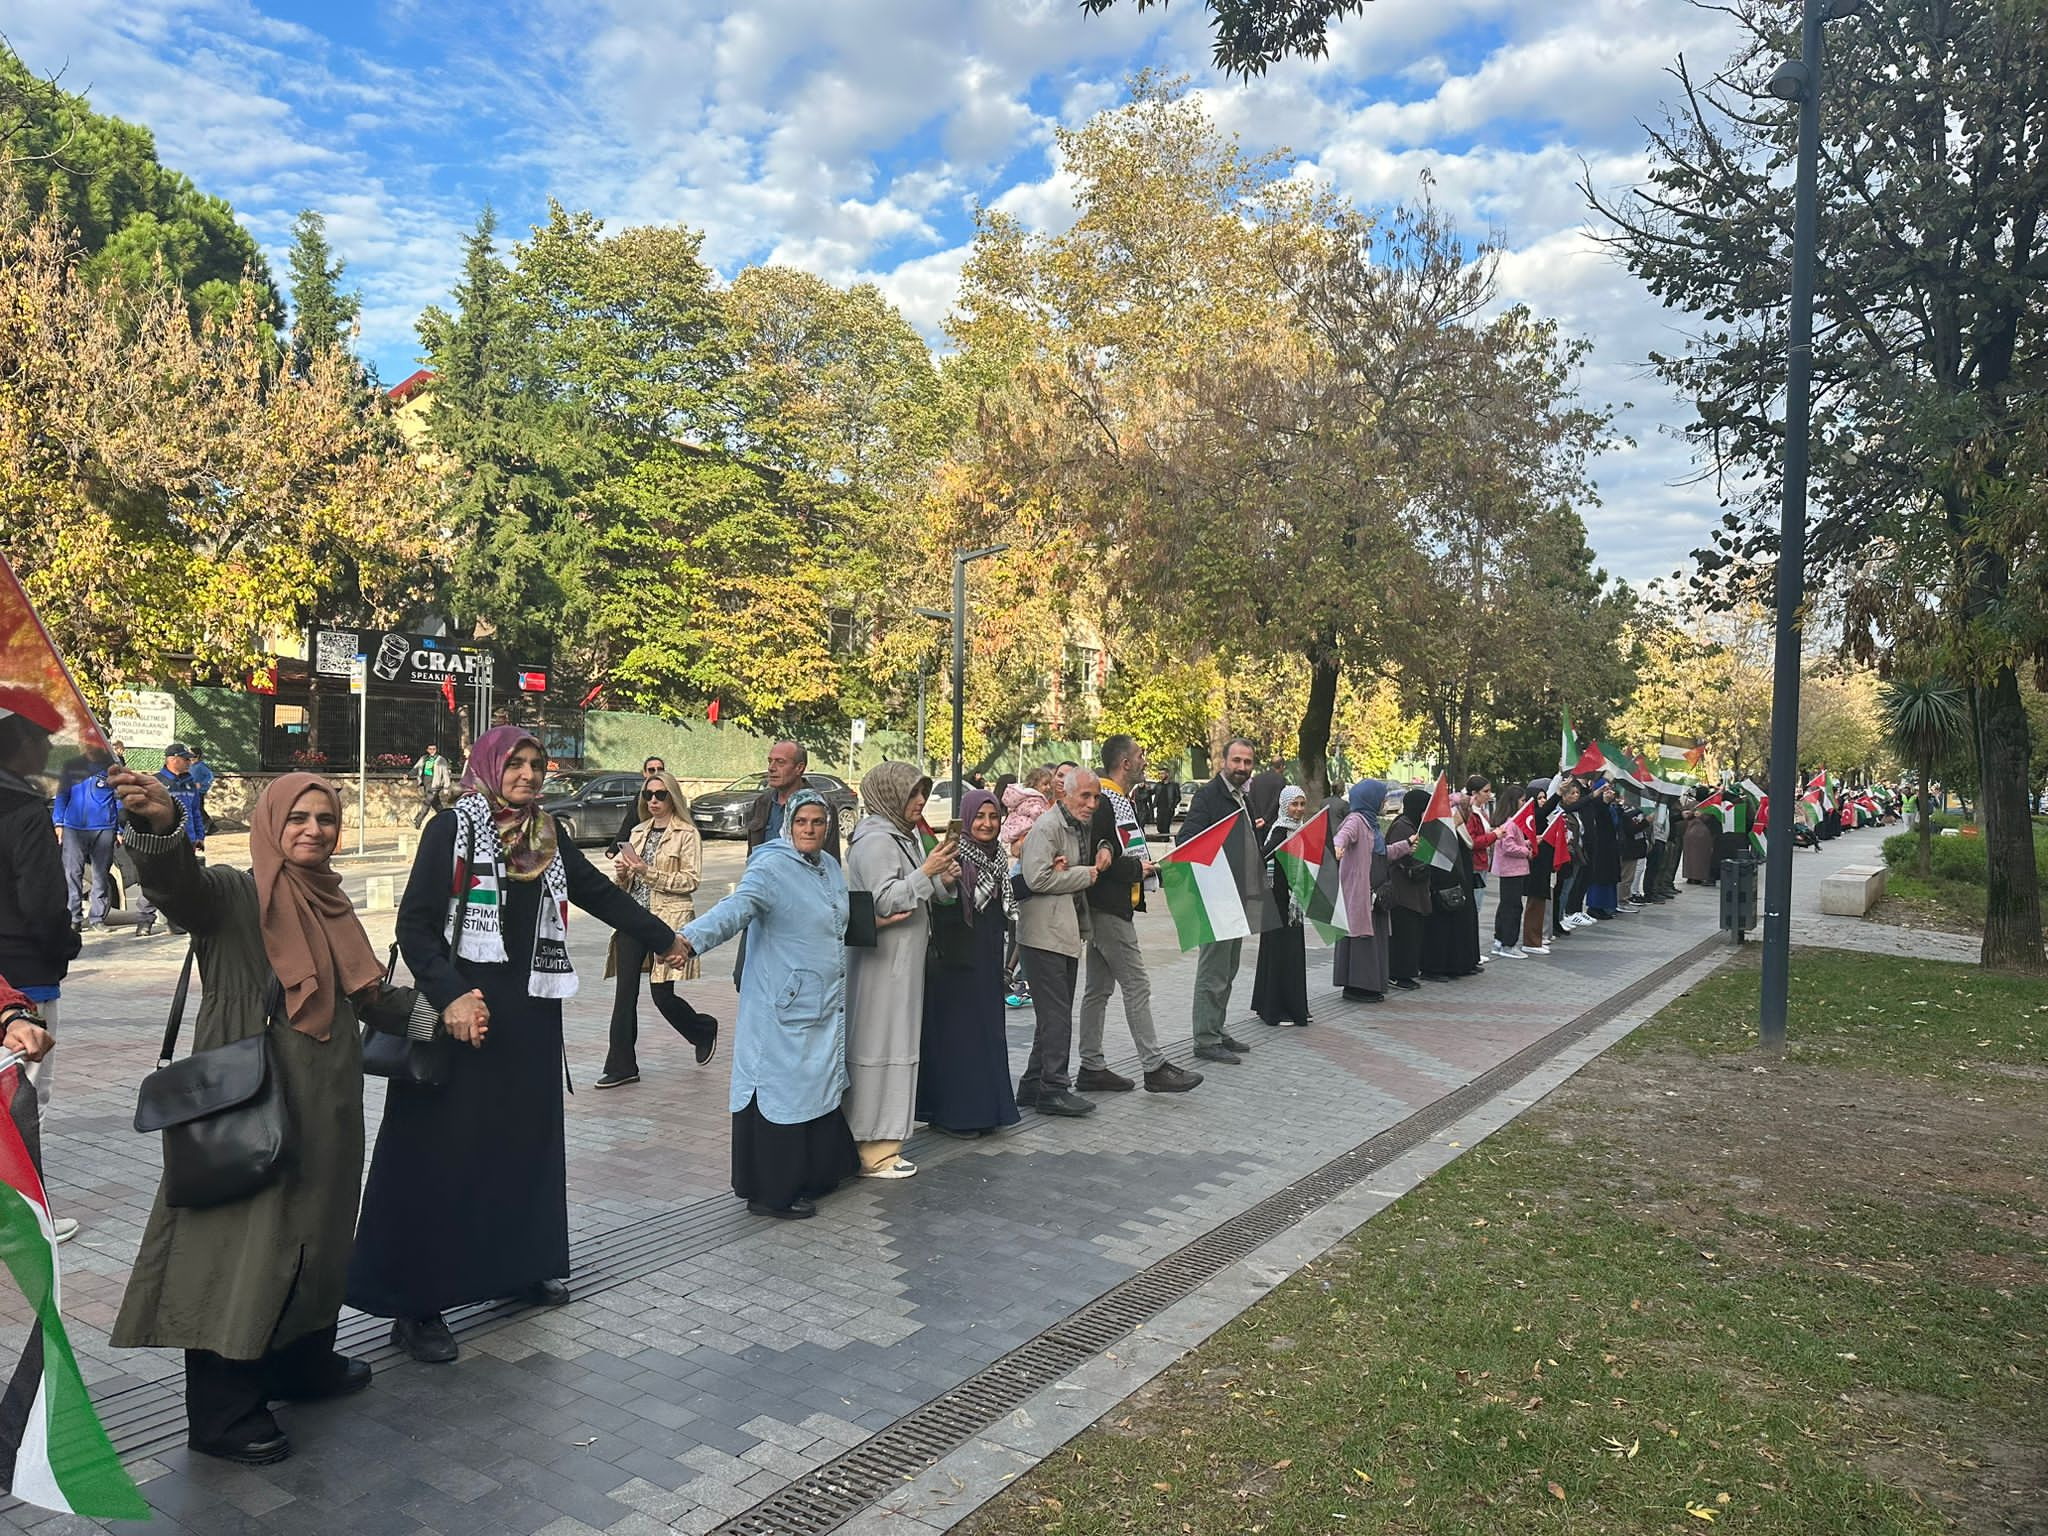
(467, 1198)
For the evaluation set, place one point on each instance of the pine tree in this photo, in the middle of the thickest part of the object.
(322, 315)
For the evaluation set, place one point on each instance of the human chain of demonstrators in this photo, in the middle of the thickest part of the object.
(875, 982)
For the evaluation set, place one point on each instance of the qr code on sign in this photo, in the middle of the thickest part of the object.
(334, 652)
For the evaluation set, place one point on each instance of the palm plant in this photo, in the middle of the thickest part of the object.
(1926, 719)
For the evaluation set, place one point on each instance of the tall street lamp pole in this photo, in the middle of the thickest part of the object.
(1797, 80)
(958, 618)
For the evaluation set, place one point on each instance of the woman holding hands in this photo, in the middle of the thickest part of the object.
(790, 1143)
(467, 1199)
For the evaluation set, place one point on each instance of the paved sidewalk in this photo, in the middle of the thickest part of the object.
(709, 1358)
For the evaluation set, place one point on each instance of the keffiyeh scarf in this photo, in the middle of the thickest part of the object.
(475, 928)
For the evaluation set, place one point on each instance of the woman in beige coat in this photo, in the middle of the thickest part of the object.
(659, 865)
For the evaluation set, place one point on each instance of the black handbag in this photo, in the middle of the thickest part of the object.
(861, 931)
(1450, 898)
(390, 1051)
(226, 1128)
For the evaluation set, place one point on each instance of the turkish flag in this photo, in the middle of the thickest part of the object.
(448, 692)
(1525, 818)
(711, 714)
(1558, 840)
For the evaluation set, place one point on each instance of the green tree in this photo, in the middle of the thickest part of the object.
(1251, 34)
(100, 178)
(323, 317)
(513, 458)
(1930, 354)
(1927, 719)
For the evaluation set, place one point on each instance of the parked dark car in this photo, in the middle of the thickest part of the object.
(591, 805)
(723, 812)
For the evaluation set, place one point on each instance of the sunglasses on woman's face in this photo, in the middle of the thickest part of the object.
(657, 794)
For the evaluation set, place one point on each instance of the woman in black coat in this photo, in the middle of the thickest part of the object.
(467, 1199)
(1408, 893)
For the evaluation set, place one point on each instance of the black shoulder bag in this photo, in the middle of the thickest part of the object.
(390, 1047)
(227, 1132)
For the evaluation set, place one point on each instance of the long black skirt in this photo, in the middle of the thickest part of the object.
(963, 1073)
(779, 1165)
(1280, 988)
(468, 1194)
(1361, 963)
(1404, 948)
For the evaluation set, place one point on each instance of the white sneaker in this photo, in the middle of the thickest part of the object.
(1518, 951)
(1540, 949)
(901, 1168)
(1506, 953)
(64, 1227)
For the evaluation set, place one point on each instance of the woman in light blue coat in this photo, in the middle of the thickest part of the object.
(790, 1143)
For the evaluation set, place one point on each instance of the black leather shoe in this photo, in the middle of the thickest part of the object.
(1065, 1101)
(617, 1079)
(426, 1339)
(1407, 983)
(263, 1451)
(1221, 1053)
(351, 1378)
(1167, 1078)
(796, 1210)
(702, 1035)
(1102, 1080)
(545, 1293)
(1232, 1043)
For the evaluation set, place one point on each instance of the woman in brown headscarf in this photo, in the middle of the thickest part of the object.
(885, 985)
(250, 1291)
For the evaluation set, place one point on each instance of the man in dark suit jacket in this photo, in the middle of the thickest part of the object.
(787, 761)
(1166, 803)
(1216, 964)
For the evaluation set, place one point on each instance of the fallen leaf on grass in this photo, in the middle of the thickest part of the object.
(1363, 1477)
(1701, 1512)
(1555, 1491)
(1282, 1466)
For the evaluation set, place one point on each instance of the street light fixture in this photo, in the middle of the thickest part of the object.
(961, 560)
(1797, 80)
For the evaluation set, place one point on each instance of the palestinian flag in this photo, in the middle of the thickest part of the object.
(1436, 841)
(1674, 748)
(52, 1448)
(1308, 863)
(1557, 838)
(1567, 746)
(1716, 806)
(1809, 808)
(1604, 758)
(1202, 888)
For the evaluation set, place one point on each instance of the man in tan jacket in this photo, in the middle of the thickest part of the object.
(1052, 935)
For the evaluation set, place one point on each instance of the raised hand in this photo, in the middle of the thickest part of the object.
(144, 797)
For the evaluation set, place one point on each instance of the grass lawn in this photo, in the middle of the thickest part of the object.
(1951, 896)
(1692, 1290)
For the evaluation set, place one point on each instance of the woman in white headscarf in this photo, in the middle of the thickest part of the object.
(1280, 991)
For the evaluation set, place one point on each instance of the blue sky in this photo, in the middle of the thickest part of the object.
(852, 137)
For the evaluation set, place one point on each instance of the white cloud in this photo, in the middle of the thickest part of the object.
(851, 137)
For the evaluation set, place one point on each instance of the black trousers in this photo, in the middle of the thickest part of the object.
(230, 1399)
(621, 1059)
(1507, 922)
(1053, 977)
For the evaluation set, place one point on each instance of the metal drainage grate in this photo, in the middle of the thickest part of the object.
(823, 1499)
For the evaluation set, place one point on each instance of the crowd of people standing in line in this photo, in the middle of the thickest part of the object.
(872, 995)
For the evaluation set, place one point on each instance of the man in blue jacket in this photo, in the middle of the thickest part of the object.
(176, 774)
(86, 814)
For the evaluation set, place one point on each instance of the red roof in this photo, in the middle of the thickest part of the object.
(404, 390)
